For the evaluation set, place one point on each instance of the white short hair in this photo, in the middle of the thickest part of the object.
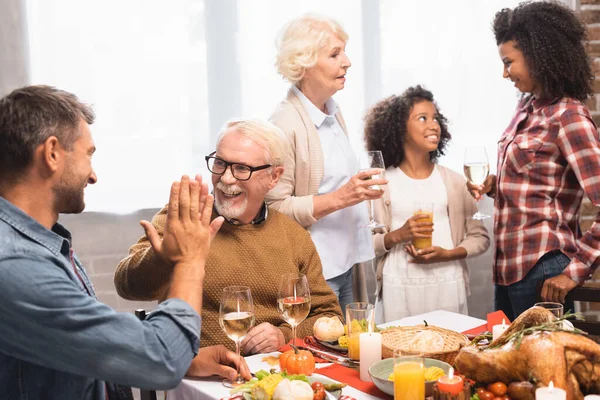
(299, 42)
(262, 132)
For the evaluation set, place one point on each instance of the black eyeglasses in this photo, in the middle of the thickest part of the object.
(241, 172)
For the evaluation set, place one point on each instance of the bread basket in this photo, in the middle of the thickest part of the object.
(401, 336)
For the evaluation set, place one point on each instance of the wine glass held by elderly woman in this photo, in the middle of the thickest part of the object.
(320, 187)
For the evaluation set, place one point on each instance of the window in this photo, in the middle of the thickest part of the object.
(142, 65)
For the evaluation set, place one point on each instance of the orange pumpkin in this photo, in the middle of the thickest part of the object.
(297, 362)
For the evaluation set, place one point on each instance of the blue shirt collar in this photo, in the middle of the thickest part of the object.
(54, 240)
(317, 116)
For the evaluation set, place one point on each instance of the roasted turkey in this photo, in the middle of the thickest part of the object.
(571, 361)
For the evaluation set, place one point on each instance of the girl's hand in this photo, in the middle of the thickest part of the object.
(412, 229)
(428, 255)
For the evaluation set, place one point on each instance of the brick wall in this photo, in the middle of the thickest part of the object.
(590, 14)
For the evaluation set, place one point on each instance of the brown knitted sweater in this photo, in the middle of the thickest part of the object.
(249, 255)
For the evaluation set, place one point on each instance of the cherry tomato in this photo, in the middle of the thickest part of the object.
(499, 389)
(319, 394)
(485, 395)
(317, 385)
(480, 390)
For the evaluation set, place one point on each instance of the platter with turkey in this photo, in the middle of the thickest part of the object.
(536, 351)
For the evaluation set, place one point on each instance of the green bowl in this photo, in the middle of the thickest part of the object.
(382, 369)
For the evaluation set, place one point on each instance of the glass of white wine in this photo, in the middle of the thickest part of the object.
(236, 316)
(477, 169)
(373, 159)
(293, 300)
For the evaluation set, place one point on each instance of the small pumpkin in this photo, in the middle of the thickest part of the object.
(297, 361)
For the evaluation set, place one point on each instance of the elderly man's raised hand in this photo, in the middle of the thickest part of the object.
(188, 231)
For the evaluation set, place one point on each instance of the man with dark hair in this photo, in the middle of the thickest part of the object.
(57, 341)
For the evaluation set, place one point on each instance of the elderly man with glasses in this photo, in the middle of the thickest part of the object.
(254, 247)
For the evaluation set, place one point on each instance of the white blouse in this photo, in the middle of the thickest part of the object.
(410, 288)
(341, 238)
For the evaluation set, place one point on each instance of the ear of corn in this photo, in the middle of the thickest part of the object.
(265, 387)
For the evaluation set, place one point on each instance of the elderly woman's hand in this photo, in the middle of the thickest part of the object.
(360, 188)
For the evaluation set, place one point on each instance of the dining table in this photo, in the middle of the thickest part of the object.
(211, 388)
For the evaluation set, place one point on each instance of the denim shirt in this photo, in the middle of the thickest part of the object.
(57, 341)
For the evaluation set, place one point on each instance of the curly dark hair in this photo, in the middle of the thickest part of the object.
(385, 125)
(552, 39)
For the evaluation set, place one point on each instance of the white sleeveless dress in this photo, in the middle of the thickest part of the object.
(409, 288)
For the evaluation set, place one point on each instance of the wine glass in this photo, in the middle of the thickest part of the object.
(373, 159)
(236, 316)
(477, 169)
(293, 301)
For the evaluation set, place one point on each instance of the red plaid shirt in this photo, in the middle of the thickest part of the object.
(548, 157)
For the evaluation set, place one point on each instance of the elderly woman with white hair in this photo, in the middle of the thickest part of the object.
(320, 187)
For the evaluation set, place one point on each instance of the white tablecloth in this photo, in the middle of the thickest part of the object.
(213, 389)
(441, 318)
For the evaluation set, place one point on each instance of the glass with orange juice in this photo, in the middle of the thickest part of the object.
(355, 313)
(409, 377)
(423, 207)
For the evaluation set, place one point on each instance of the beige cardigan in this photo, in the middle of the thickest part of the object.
(465, 231)
(303, 161)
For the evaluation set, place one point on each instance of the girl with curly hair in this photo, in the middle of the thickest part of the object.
(412, 133)
(548, 158)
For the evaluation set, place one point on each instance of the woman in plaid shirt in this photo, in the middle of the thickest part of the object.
(548, 159)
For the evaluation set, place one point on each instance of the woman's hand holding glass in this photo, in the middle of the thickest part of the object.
(362, 186)
(477, 169)
(489, 185)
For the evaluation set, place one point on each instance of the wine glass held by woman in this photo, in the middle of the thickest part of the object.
(320, 187)
(367, 161)
(548, 158)
(412, 133)
(476, 169)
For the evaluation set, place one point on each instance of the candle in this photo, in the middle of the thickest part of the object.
(370, 353)
(498, 330)
(450, 384)
(550, 393)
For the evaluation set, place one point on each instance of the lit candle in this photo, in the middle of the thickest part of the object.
(498, 330)
(370, 352)
(450, 384)
(550, 393)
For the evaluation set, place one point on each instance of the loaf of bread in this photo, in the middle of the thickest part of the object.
(328, 329)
